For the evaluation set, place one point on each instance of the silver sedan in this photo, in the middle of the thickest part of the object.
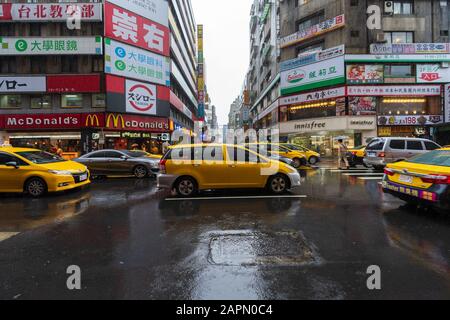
(119, 162)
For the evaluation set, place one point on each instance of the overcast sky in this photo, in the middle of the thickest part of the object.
(226, 46)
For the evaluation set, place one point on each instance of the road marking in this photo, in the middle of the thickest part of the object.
(6, 235)
(349, 171)
(363, 174)
(235, 198)
(370, 178)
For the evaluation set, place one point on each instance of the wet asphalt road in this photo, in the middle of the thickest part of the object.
(132, 243)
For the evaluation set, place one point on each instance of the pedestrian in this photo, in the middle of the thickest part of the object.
(342, 154)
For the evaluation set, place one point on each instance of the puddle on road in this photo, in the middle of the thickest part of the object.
(251, 248)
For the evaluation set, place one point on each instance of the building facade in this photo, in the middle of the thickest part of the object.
(99, 74)
(343, 74)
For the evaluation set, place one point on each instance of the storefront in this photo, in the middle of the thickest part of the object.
(402, 110)
(320, 134)
(77, 134)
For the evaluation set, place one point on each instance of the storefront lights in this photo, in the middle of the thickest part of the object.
(404, 100)
(314, 105)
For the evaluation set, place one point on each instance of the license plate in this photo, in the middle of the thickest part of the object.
(406, 179)
(371, 154)
(83, 177)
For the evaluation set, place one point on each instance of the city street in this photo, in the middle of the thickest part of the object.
(132, 241)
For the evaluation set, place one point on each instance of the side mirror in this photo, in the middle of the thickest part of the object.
(124, 158)
(12, 164)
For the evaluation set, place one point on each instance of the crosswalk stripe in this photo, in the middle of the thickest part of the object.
(6, 235)
(363, 174)
(350, 171)
(370, 178)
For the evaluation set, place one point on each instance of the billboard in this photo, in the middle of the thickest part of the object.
(432, 73)
(412, 120)
(155, 10)
(22, 84)
(52, 12)
(129, 27)
(409, 48)
(131, 62)
(130, 96)
(405, 90)
(50, 45)
(308, 58)
(365, 73)
(325, 73)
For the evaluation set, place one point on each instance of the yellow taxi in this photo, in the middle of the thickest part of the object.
(148, 154)
(297, 156)
(424, 179)
(188, 169)
(311, 156)
(356, 155)
(37, 172)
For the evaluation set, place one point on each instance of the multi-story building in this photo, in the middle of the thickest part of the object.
(343, 74)
(234, 116)
(124, 77)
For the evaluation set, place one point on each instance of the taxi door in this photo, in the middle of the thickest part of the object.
(11, 178)
(243, 168)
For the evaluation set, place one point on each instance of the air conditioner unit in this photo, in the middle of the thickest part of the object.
(389, 7)
(381, 38)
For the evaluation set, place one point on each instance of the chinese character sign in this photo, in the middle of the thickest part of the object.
(125, 26)
(131, 62)
(53, 46)
(155, 10)
(29, 12)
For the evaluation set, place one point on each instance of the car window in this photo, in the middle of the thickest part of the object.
(182, 154)
(414, 145)
(436, 158)
(240, 155)
(113, 154)
(397, 144)
(431, 145)
(5, 158)
(40, 157)
(100, 154)
(376, 145)
(213, 153)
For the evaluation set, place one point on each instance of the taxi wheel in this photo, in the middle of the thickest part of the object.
(35, 187)
(186, 187)
(278, 184)
(313, 160)
(297, 163)
(140, 172)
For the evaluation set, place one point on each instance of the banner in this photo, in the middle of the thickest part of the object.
(326, 73)
(418, 120)
(409, 48)
(369, 73)
(131, 62)
(408, 91)
(53, 12)
(22, 84)
(126, 122)
(313, 96)
(313, 31)
(125, 26)
(73, 83)
(309, 58)
(155, 10)
(396, 58)
(50, 46)
(432, 73)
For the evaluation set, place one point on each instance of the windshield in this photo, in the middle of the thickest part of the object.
(294, 147)
(40, 157)
(434, 158)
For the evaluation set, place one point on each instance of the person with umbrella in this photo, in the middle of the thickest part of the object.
(342, 153)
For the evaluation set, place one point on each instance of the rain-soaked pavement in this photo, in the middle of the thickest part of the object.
(132, 243)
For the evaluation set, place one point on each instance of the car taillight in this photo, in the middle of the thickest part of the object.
(354, 153)
(162, 165)
(389, 172)
(436, 179)
(381, 155)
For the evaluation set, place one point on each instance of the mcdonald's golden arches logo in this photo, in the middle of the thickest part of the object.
(92, 121)
(112, 121)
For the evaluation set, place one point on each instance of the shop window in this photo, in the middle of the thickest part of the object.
(414, 145)
(41, 102)
(10, 101)
(399, 71)
(72, 101)
(98, 100)
(311, 20)
(397, 144)
(403, 7)
(399, 37)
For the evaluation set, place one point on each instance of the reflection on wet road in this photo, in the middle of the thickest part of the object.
(130, 242)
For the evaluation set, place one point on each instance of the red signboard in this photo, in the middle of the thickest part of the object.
(126, 26)
(126, 122)
(73, 83)
(5, 11)
(52, 121)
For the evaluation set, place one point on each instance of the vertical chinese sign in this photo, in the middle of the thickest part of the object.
(200, 74)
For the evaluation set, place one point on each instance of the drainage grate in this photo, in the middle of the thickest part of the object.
(249, 248)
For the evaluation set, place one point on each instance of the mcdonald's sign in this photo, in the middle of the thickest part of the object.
(128, 122)
(93, 120)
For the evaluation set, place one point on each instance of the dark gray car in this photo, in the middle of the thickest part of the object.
(119, 162)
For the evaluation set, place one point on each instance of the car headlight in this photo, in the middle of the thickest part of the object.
(60, 172)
